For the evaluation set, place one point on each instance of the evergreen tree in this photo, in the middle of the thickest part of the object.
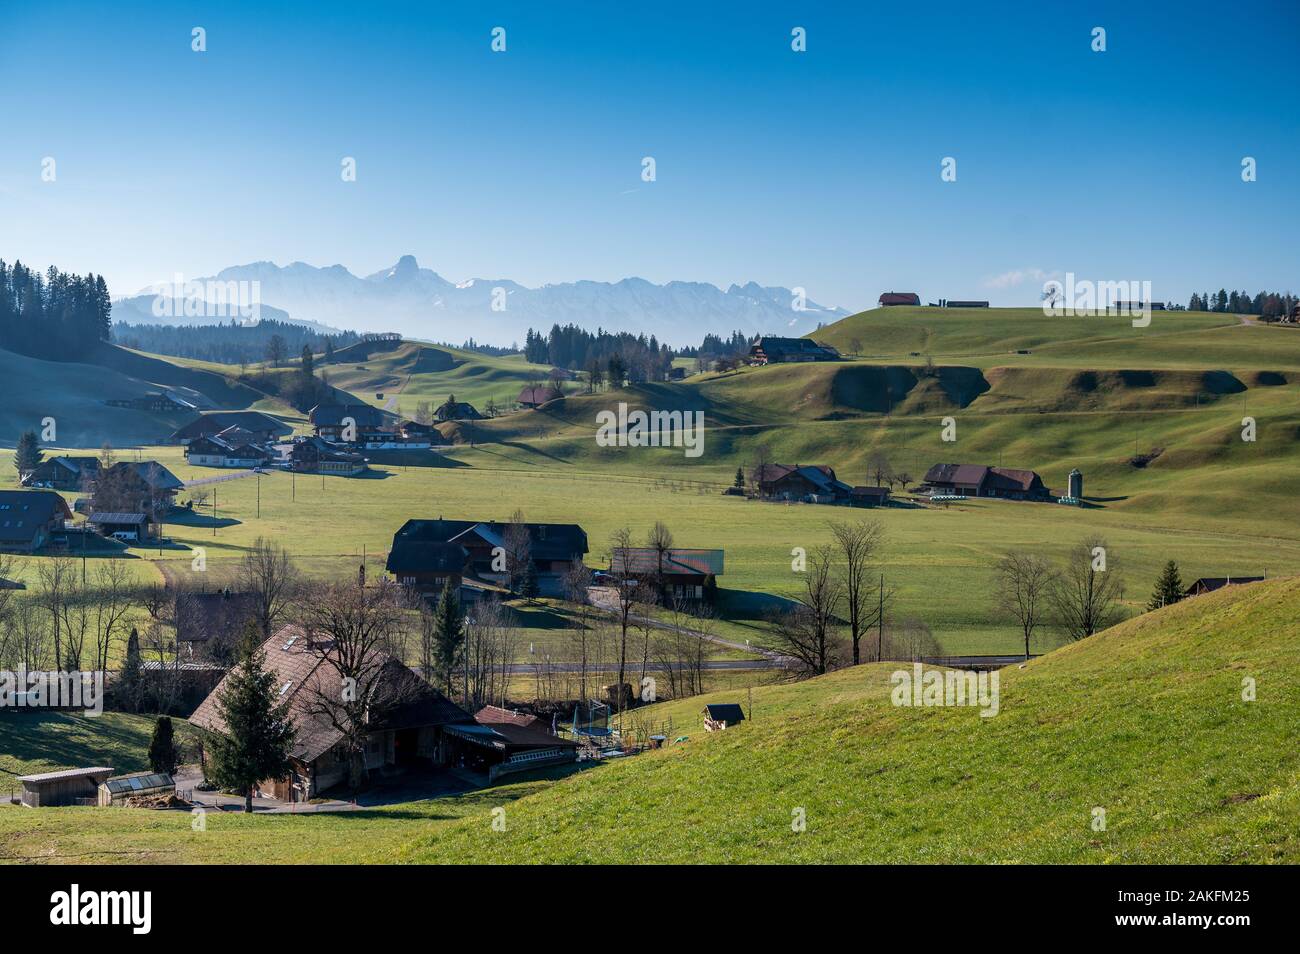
(27, 455)
(258, 734)
(448, 635)
(739, 482)
(1169, 587)
(528, 587)
(163, 755)
(130, 681)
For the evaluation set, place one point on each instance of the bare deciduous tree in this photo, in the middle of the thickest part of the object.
(267, 572)
(1085, 595)
(1024, 582)
(807, 633)
(860, 545)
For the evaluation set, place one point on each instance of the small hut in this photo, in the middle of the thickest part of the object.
(116, 790)
(66, 787)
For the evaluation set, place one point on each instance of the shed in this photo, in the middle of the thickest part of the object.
(116, 790)
(726, 713)
(65, 787)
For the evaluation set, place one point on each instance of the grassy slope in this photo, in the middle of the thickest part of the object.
(44, 741)
(1145, 721)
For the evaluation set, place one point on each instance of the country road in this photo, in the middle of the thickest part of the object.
(604, 597)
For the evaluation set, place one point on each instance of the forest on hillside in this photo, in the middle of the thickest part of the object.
(57, 316)
(233, 343)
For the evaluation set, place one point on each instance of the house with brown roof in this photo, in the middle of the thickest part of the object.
(978, 480)
(681, 573)
(28, 518)
(349, 423)
(63, 473)
(314, 455)
(503, 742)
(816, 483)
(869, 496)
(899, 298)
(1208, 584)
(409, 731)
(264, 427)
(536, 397)
(772, 350)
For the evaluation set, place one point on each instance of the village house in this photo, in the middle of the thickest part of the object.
(1208, 584)
(949, 303)
(453, 410)
(408, 731)
(227, 450)
(28, 518)
(534, 397)
(815, 483)
(205, 619)
(889, 299)
(78, 786)
(160, 402)
(977, 480)
(264, 428)
(553, 547)
(502, 742)
(683, 574)
(415, 432)
(339, 422)
(63, 473)
(771, 350)
(140, 485)
(428, 565)
(313, 455)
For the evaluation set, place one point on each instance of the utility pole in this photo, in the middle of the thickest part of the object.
(880, 622)
(214, 509)
(259, 496)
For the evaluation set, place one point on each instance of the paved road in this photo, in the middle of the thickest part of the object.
(234, 475)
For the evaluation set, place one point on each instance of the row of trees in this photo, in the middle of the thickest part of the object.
(58, 315)
(1266, 304)
(233, 343)
(639, 358)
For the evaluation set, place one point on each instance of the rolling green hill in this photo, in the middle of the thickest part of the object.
(1145, 721)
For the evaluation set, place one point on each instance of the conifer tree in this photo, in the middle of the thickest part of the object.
(27, 455)
(1169, 587)
(163, 756)
(449, 634)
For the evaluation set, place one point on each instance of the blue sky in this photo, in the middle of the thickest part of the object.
(816, 169)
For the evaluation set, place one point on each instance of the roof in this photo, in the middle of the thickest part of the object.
(1211, 583)
(1009, 478)
(154, 474)
(200, 616)
(325, 449)
(538, 395)
(297, 665)
(728, 712)
(138, 782)
(66, 774)
(23, 512)
(548, 541)
(645, 560)
(505, 735)
(956, 474)
(770, 345)
(114, 516)
(900, 298)
(426, 556)
(216, 421)
(495, 715)
(330, 415)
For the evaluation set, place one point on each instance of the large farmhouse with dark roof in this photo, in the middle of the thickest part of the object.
(553, 547)
(263, 427)
(899, 298)
(684, 574)
(771, 350)
(28, 518)
(977, 480)
(799, 482)
(63, 473)
(350, 423)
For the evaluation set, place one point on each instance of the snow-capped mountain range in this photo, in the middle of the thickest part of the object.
(420, 303)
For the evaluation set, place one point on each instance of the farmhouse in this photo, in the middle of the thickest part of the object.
(424, 434)
(68, 787)
(817, 484)
(428, 565)
(161, 402)
(408, 728)
(553, 547)
(222, 451)
(63, 473)
(313, 455)
(769, 350)
(1208, 584)
(453, 410)
(263, 427)
(899, 298)
(977, 480)
(682, 574)
(29, 517)
(140, 485)
(534, 397)
(948, 303)
(332, 422)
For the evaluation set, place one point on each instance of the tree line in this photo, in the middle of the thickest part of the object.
(57, 316)
(231, 343)
(571, 347)
(1265, 304)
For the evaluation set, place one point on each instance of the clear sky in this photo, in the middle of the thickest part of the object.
(818, 169)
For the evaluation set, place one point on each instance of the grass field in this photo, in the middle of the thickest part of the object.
(1146, 721)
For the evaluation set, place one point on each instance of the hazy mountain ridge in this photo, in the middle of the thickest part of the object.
(418, 302)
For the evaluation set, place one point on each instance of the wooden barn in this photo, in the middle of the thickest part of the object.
(66, 787)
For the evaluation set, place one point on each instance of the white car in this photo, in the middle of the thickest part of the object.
(126, 536)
